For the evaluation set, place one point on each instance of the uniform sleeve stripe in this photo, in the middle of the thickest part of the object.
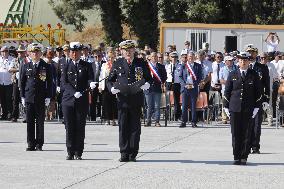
(226, 99)
(259, 98)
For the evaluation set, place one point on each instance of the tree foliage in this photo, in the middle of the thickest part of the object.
(142, 17)
(173, 11)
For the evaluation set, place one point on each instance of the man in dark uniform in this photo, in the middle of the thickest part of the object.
(61, 61)
(77, 76)
(125, 71)
(242, 100)
(263, 73)
(35, 91)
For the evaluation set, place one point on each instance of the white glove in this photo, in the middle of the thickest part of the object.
(114, 91)
(255, 110)
(146, 86)
(226, 110)
(58, 89)
(265, 106)
(17, 75)
(77, 95)
(47, 101)
(23, 102)
(93, 85)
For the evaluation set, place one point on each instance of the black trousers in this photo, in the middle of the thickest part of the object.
(35, 123)
(75, 122)
(241, 128)
(59, 108)
(6, 99)
(16, 100)
(256, 130)
(177, 106)
(129, 130)
(274, 97)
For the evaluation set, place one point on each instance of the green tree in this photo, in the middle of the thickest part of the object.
(173, 10)
(71, 12)
(204, 11)
(142, 17)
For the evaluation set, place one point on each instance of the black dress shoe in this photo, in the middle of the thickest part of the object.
(70, 157)
(243, 162)
(30, 149)
(39, 148)
(24, 121)
(255, 152)
(237, 162)
(14, 120)
(133, 159)
(182, 125)
(77, 157)
(124, 159)
(193, 125)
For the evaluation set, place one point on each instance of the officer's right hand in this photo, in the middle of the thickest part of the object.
(226, 110)
(23, 102)
(114, 91)
(77, 95)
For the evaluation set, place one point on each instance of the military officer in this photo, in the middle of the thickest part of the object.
(125, 71)
(263, 73)
(35, 92)
(242, 100)
(85, 54)
(77, 77)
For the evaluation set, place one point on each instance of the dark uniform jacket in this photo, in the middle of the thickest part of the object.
(197, 69)
(60, 66)
(263, 73)
(36, 82)
(156, 85)
(126, 74)
(242, 94)
(76, 80)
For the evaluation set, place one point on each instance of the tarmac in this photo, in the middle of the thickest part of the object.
(169, 157)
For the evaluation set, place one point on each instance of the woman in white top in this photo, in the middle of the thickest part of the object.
(109, 102)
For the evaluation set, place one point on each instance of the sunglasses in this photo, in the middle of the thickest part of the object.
(218, 56)
(160, 57)
(262, 57)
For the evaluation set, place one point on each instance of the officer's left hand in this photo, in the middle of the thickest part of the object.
(47, 101)
(146, 86)
(93, 85)
(265, 106)
(255, 110)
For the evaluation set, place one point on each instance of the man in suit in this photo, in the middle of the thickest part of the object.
(77, 76)
(36, 83)
(173, 84)
(263, 73)
(154, 93)
(242, 100)
(125, 71)
(190, 77)
(95, 106)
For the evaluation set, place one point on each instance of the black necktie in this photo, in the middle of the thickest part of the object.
(243, 74)
(173, 73)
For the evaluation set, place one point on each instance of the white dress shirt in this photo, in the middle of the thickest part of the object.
(215, 76)
(5, 65)
(279, 67)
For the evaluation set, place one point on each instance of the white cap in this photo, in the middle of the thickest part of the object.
(75, 46)
(228, 58)
(184, 52)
